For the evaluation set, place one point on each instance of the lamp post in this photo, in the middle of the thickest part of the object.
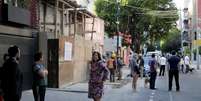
(117, 22)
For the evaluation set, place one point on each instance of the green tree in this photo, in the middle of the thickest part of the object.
(172, 41)
(136, 16)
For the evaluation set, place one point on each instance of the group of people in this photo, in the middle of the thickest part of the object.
(11, 76)
(171, 63)
(100, 70)
(185, 64)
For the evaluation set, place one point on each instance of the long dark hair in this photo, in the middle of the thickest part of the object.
(99, 56)
(13, 50)
(38, 56)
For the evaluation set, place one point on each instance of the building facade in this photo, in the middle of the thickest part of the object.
(18, 26)
(64, 27)
(196, 31)
(55, 27)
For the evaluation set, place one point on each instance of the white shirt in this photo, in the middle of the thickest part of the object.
(186, 60)
(163, 61)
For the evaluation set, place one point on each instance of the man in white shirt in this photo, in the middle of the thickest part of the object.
(163, 62)
(187, 63)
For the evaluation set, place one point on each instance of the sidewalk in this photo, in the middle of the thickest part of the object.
(73, 92)
(83, 87)
(189, 83)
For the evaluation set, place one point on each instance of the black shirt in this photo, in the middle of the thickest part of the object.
(12, 78)
(174, 62)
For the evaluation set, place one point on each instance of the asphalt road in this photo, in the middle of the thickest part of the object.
(121, 91)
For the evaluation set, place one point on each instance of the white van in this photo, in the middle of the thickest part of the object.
(158, 54)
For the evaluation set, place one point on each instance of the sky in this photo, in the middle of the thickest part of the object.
(178, 3)
(90, 6)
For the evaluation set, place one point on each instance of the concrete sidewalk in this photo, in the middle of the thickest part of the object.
(83, 86)
(70, 92)
(189, 83)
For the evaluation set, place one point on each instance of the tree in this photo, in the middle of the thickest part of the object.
(136, 16)
(172, 41)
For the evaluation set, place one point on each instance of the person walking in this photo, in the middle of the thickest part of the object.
(163, 62)
(182, 64)
(111, 66)
(187, 63)
(12, 76)
(98, 74)
(174, 70)
(140, 61)
(153, 73)
(39, 78)
(120, 65)
(134, 71)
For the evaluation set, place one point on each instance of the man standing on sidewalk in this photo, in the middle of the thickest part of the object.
(187, 63)
(12, 76)
(162, 65)
(174, 70)
(111, 66)
(153, 66)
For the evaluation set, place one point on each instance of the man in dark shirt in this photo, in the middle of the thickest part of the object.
(153, 72)
(12, 76)
(174, 70)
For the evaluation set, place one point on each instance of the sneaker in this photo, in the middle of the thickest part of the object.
(153, 88)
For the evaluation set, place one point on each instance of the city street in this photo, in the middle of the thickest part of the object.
(67, 44)
(121, 91)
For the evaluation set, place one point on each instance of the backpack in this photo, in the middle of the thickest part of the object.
(110, 63)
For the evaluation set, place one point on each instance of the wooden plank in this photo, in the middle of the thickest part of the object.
(55, 18)
(83, 25)
(70, 17)
(75, 21)
(62, 20)
(44, 15)
(92, 34)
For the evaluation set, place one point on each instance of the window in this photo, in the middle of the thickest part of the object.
(18, 3)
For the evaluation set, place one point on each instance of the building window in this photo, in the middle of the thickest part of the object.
(18, 3)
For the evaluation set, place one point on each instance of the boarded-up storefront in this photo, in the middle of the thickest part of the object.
(68, 60)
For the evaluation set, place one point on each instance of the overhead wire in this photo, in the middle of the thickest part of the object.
(150, 11)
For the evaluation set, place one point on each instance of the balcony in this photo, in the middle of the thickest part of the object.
(15, 15)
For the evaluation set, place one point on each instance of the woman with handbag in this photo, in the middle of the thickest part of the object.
(98, 74)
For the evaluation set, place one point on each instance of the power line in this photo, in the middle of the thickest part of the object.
(145, 9)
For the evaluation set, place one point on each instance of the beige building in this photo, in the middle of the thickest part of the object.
(68, 33)
(95, 32)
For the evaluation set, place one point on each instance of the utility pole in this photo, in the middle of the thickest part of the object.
(117, 22)
(195, 4)
(181, 20)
